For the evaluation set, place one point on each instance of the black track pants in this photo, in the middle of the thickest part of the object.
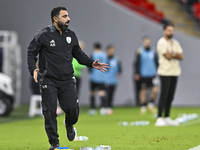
(66, 93)
(78, 82)
(167, 90)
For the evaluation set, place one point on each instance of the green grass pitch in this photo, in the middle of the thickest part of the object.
(29, 134)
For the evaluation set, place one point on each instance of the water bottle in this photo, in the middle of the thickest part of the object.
(87, 148)
(140, 123)
(104, 147)
(183, 118)
(194, 116)
(145, 123)
(123, 123)
(63, 148)
(101, 147)
(75, 132)
(81, 138)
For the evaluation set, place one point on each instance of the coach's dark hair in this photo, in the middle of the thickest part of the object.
(109, 46)
(97, 45)
(167, 25)
(55, 12)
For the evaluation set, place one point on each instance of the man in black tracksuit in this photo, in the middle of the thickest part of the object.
(56, 46)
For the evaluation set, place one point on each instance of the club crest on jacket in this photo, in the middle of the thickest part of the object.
(68, 39)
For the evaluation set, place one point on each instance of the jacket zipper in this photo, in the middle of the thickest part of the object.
(61, 58)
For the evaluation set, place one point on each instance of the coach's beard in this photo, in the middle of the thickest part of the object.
(63, 27)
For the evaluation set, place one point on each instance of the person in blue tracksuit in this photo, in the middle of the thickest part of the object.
(97, 81)
(112, 76)
(146, 71)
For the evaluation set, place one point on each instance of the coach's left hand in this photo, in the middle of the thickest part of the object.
(100, 66)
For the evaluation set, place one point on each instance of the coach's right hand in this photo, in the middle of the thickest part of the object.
(35, 75)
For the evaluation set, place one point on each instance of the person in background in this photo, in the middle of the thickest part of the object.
(170, 53)
(97, 82)
(112, 75)
(146, 71)
(1, 59)
(136, 84)
(78, 68)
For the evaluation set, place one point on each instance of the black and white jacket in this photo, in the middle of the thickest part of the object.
(56, 52)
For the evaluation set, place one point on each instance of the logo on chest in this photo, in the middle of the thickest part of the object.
(52, 43)
(68, 39)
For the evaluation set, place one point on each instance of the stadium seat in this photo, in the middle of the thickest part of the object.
(196, 8)
(151, 7)
(142, 7)
(33, 108)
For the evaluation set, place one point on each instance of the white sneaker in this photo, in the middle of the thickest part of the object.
(103, 111)
(160, 122)
(152, 108)
(143, 109)
(92, 112)
(109, 111)
(171, 122)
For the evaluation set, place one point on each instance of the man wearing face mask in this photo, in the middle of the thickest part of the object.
(57, 46)
(145, 71)
(169, 52)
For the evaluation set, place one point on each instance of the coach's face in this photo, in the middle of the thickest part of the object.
(63, 20)
(168, 32)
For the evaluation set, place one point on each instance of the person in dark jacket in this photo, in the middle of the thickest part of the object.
(57, 46)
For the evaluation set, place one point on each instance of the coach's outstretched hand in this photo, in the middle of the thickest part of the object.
(100, 66)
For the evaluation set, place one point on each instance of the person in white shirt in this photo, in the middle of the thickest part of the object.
(169, 53)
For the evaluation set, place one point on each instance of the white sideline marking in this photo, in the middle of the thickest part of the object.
(195, 148)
